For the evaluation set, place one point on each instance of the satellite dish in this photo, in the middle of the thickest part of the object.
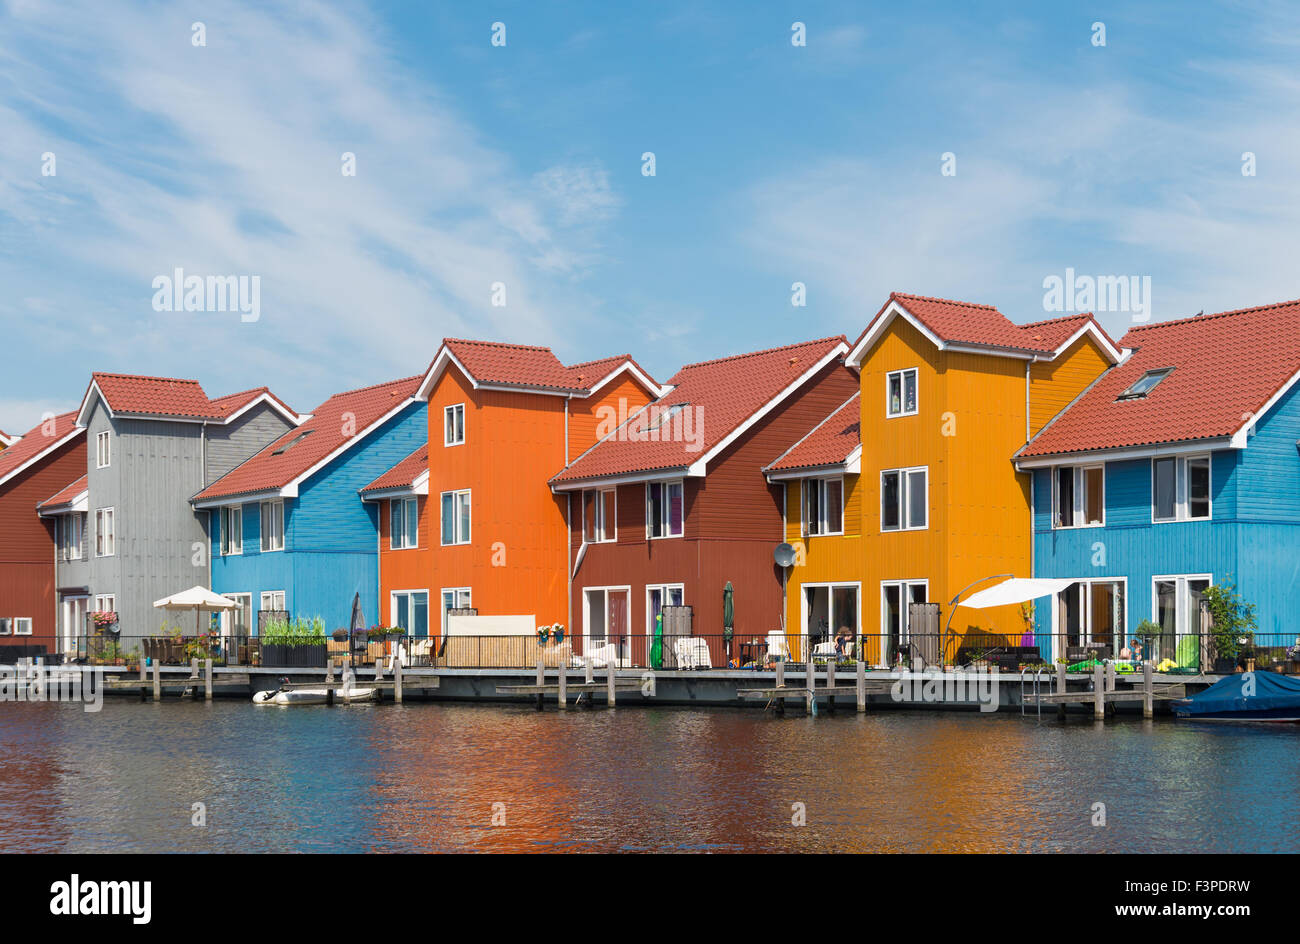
(784, 555)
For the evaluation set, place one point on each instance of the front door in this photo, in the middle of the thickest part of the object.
(605, 620)
(74, 622)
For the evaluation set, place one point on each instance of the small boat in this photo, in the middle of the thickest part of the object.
(346, 692)
(1250, 696)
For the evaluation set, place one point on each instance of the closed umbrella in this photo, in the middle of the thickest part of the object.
(728, 617)
(357, 626)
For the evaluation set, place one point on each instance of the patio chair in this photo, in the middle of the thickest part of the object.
(692, 654)
(599, 658)
(777, 647)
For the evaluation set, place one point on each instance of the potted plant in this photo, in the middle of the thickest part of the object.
(1232, 626)
(298, 644)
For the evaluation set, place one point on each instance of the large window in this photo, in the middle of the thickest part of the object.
(896, 598)
(272, 526)
(1080, 496)
(598, 516)
(232, 529)
(455, 598)
(103, 450)
(238, 621)
(1180, 488)
(455, 517)
(403, 523)
(1092, 611)
(411, 611)
(904, 500)
(1178, 607)
(453, 425)
(663, 509)
(72, 538)
(900, 392)
(823, 506)
(105, 533)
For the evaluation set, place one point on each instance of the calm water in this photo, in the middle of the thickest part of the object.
(425, 777)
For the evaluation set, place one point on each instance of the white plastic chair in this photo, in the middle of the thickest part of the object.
(692, 654)
(777, 646)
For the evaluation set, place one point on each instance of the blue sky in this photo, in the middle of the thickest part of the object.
(522, 164)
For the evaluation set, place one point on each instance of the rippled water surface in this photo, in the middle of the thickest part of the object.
(426, 777)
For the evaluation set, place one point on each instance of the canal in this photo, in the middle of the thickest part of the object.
(433, 777)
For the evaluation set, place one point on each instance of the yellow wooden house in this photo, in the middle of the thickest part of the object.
(907, 492)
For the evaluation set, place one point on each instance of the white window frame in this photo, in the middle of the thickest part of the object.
(261, 601)
(228, 547)
(409, 540)
(70, 551)
(266, 533)
(19, 623)
(103, 449)
(458, 496)
(661, 587)
(105, 603)
(603, 532)
(902, 392)
(1183, 488)
(1180, 582)
(106, 538)
(1079, 510)
(227, 621)
(904, 618)
(455, 410)
(442, 602)
(666, 514)
(1086, 629)
(820, 484)
(410, 610)
(904, 498)
(6, 626)
(830, 587)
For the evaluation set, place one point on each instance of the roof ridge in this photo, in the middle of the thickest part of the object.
(945, 301)
(597, 360)
(1045, 321)
(770, 350)
(523, 347)
(376, 386)
(109, 373)
(808, 435)
(1215, 314)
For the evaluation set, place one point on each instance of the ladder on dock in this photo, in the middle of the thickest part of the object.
(1104, 692)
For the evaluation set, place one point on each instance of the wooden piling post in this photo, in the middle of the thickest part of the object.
(397, 681)
(1098, 693)
(589, 671)
(541, 680)
(780, 674)
(564, 684)
(1148, 690)
(207, 680)
(329, 672)
(1110, 685)
(862, 685)
(1061, 688)
(610, 676)
(157, 681)
(830, 684)
(810, 681)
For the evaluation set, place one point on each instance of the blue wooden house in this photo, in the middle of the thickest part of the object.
(1177, 469)
(289, 534)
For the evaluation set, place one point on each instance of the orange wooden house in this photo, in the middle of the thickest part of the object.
(477, 524)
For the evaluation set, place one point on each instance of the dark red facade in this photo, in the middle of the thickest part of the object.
(27, 544)
(732, 523)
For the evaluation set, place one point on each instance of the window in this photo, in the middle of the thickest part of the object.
(22, 626)
(1093, 612)
(900, 392)
(272, 526)
(823, 506)
(663, 509)
(454, 598)
(1178, 608)
(74, 535)
(281, 450)
(403, 523)
(232, 530)
(105, 603)
(238, 621)
(6, 626)
(453, 425)
(103, 450)
(598, 516)
(1180, 488)
(410, 610)
(105, 536)
(455, 517)
(272, 600)
(896, 599)
(1080, 497)
(904, 500)
(1145, 384)
(659, 596)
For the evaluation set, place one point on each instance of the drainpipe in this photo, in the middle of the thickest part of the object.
(568, 531)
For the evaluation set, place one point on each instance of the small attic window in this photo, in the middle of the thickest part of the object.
(665, 415)
(1145, 384)
(293, 442)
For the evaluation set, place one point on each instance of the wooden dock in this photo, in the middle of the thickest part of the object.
(1105, 691)
(562, 687)
(776, 695)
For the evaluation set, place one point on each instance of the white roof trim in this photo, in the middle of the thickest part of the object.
(80, 502)
(8, 440)
(76, 431)
(419, 486)
(1090, 327)
(445, 356)
(894, 310)
(1126, 452)
(261, 495)
(626, 478)
(805, 436)
(655, 390)
(1250, 420)
(295, 418)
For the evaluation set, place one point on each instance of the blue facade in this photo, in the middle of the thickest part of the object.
(1252, 537)
(331, 537)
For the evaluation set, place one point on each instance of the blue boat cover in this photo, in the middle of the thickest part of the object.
(1232, 694)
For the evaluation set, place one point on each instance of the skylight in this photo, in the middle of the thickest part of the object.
(293, 442)
(1145, 384)
(665, 415)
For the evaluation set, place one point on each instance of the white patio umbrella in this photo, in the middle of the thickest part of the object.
(197, 599)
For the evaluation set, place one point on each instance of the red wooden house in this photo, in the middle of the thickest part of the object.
(673, 504)
(38, 465)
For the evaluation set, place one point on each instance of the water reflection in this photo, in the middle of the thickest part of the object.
(426, 777)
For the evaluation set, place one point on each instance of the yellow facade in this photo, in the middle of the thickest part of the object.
(973, 412)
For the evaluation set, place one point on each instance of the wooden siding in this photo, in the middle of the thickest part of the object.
(230, 445)
(410, 568)
(1053, 385)
(27, 542)
(592, 418)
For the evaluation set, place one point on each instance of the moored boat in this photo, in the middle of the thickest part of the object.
(1250, 696)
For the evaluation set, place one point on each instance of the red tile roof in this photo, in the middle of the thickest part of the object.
(36, 442)
(1226, 366)
(5, 438)
(155, 396)
(232, 403)
(968, 323)
(404, 474)
(523, 365)
(66, 495)
(717, 396)
(831, 441)
(327, 430)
